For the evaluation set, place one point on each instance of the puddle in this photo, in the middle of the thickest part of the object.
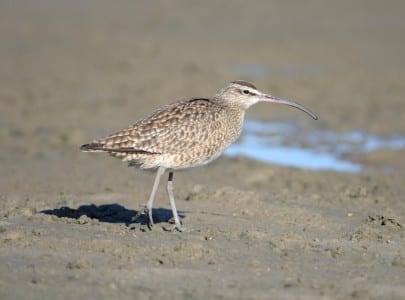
(287, 144)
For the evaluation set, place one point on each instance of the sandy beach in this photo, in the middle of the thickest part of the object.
(73, 71)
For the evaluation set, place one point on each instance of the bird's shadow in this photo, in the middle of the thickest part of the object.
(110, 213)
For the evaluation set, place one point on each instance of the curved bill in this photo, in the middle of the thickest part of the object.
(273, 99)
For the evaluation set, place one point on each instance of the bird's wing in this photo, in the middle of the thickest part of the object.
(171, 129)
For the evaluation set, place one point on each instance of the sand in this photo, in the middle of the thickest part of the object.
(72, 71)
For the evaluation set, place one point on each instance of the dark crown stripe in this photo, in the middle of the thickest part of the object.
(244, 83)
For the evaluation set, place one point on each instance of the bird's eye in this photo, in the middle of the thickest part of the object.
(245, 92)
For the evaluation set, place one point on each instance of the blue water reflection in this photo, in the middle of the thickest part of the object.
(286, 144)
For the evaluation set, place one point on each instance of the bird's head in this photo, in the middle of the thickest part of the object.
(244, 94)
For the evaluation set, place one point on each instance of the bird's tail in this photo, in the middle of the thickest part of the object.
(93, 147)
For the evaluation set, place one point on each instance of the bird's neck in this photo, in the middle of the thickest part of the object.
(235, 118)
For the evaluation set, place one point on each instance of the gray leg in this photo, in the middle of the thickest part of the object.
(148, 207)
(177, 223)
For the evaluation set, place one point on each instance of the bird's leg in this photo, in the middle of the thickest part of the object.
(148, 207)
(177, 223)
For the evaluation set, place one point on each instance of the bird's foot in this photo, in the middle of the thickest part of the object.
(181, 228)
(177, 226)
(148, 214)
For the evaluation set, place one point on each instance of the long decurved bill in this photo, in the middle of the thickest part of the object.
(273, 99)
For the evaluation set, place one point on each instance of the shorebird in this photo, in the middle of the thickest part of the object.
(185, 134)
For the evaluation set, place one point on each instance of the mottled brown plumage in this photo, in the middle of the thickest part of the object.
(184, 134)
(177, 136)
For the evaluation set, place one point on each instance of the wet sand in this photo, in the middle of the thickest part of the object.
(73, 71)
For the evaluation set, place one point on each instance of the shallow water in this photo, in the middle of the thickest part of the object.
(316, 149)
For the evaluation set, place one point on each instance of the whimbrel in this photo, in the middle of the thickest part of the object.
(185, 134)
